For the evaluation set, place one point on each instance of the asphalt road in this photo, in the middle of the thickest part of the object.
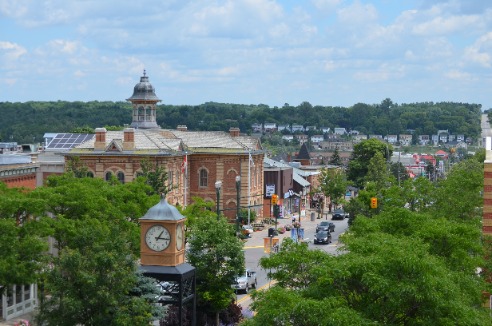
(254, 248)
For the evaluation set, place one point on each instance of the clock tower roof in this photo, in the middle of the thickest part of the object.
(163, 212)
(144, 91)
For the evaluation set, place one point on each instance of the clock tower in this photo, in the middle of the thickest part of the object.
(162, 236)
(162, 257)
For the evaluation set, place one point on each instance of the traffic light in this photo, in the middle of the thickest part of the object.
(274, 199)
(374, 202)
(276, 211)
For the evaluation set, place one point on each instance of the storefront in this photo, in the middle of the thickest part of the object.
(18, 300)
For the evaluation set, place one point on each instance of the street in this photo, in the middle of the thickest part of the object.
(254, 248)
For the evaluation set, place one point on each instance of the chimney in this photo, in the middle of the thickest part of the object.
(128, 139)
(182, 128)
(234, 132)
(100, 143)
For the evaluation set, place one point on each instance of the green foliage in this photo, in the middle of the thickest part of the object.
(32, 119)
(335, 158)
(155, 176)
(217, 255)
(459, 194)
(361, 156)
(243, 216)
(333, 184)
(76, 167)
(377, 172)
(92, 276)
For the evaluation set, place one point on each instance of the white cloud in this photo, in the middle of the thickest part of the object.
(11, 51)
(481, 51)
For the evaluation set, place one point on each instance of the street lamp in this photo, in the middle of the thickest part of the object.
(218, 185)
(238, 198)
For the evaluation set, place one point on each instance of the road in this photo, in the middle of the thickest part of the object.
(254, 249)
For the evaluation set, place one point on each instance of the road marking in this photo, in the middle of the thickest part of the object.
(248, 296)
(252, 247)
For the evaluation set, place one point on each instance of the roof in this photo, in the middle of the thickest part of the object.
(162, 141)
(300, 180)
(303, 153)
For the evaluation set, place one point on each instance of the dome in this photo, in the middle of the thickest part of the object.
(144, 90)
(163, 212)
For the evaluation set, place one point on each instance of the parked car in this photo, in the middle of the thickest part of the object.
(322, 237)
(247, 230)
(325, 226)
(339, 214)
(245, 282)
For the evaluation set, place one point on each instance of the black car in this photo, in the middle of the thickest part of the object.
(325, 226)
(339, 214)
(322, 237)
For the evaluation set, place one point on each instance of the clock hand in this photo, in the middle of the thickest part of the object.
(159, 236)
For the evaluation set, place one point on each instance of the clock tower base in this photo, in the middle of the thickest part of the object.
(177, 284)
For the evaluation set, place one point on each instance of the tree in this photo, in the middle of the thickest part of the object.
(155, 176)
(217, 255)
(362, 154)
(335, 158)
(399, 171)
(22, 238)
(459, 194)
(92, 277)
(377, 172)
(333, 184)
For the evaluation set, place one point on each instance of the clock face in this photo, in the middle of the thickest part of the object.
(157, 238)
(179, 236)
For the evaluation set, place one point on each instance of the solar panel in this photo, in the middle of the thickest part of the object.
(66, 140)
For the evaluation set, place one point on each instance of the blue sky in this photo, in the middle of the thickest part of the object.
(326, 52)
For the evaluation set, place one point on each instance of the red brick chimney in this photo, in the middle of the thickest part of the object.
(128, 139)
(100, 143)
(234, 132)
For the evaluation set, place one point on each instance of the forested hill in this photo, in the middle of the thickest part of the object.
(25, 122)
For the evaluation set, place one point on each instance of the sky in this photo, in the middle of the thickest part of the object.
(273, 52)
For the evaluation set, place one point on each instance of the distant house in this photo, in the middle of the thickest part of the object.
(340, 131)
(405, 140)
(297, 128)
(317, 138)
(288, 138)
(380, 137)
(358, 138)
(460, 138)
(442, 154)
(451, 138)
(424, 140)
(392, 139)
(257, 127)
(270, 127)
(310, 128)
(354, 132)
(340, 144)
(302, 138)
(325, 130)
(283, 127)
(443, 138)
(435, 139)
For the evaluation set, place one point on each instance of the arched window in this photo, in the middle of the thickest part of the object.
(90, 174)
(203, 178)
(108, 176)
(121, 177)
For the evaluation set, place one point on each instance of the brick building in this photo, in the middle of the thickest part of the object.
(194, 160)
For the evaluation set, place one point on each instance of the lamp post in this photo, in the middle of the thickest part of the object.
(218, 185)
(238, 198)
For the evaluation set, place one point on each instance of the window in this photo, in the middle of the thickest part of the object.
(90, 174)
(108, 176)
(203, 178)
(121, 177)
(171, 178)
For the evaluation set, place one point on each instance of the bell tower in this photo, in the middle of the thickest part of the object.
(144, 103)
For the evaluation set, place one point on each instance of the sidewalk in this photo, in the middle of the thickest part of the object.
(256, 239)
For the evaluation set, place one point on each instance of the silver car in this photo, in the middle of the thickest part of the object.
(245, 282)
